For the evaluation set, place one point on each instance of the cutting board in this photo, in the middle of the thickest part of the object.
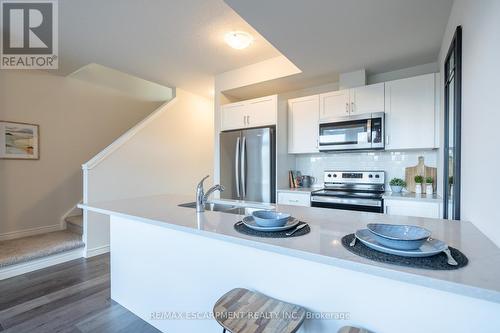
(422, 170)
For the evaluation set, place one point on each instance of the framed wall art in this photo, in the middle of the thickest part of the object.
(19, 141)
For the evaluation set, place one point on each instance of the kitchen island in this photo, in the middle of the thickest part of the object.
(170, 264)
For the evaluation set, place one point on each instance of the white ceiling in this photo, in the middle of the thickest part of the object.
(336, 36)
(180, 43)
(173, 43)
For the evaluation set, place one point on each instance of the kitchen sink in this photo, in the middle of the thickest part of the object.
(216, 207)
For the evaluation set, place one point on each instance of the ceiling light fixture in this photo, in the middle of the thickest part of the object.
(238, 39)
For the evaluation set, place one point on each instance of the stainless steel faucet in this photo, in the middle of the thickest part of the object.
(202, 197)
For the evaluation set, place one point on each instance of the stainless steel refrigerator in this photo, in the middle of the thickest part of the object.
(247, 164)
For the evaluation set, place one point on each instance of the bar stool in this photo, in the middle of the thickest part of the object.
(352, 329)
(244, 311)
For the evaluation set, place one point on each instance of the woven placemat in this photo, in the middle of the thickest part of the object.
(243, 229)
(436, 262)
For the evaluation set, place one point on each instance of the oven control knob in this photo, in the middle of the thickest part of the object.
(377, 176)
(329, 175)
(334, 175)
(370, 176)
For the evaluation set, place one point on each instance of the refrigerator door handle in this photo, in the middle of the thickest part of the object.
(237, 166)
(243, 168)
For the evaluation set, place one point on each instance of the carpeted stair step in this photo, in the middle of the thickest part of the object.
(16, 251)
(75, 224)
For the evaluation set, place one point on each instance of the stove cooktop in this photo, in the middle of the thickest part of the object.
(348, 194)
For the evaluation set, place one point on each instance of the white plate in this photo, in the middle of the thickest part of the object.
(250, 222)
(429, 248)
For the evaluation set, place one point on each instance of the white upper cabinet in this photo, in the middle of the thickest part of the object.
(262, 111)
(233, 116)
(411, 113)
(256, 112)
(367, 99)
(350, 102)
(334, 104)
(303, 118)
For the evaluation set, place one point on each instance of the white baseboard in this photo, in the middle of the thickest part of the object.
(96, 251)
(31, 231)
(40, 263)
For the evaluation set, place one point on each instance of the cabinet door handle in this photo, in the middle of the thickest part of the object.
(248, 120)
(346, 107)
(387, 140)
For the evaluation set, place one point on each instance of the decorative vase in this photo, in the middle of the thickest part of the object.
(418, 188)
(429, 190)
(396, 189)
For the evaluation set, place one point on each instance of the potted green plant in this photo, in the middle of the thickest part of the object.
(428, 188)
(418, 184)
(397, 185)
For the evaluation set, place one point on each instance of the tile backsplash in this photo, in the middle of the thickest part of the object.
(392, 162)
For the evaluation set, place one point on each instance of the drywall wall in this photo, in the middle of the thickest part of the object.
(432, 67)
(169, 154)
(266, 70)
(130, 85)
(76, 121)
(480, 21)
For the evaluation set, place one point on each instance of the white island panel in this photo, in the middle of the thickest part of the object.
(158, 272)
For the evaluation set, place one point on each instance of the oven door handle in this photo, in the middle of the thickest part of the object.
(348, 201)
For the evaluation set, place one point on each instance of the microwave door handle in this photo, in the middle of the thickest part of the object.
(237, 166)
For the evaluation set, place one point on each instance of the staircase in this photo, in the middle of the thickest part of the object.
(74, 224)
(22, 255)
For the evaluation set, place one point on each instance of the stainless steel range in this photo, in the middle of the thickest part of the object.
(351, 190)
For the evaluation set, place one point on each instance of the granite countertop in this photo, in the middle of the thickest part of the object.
(479, 279)
(412, 196)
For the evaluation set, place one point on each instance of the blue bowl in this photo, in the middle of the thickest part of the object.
(401, 237)
(269, 218)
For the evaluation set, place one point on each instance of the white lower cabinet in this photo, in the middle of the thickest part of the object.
(294, 199)
(416, 208)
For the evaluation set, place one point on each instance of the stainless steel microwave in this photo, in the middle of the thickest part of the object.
(360, 132)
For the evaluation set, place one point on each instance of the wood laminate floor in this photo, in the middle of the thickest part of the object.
(70, 297)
